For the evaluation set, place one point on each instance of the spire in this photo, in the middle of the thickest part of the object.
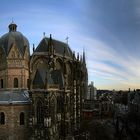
(84, 59)
(73, 56)
(77, 56)
(50, 40)
(12, 27)
(81, 59)
(51, 48)
(33, 47)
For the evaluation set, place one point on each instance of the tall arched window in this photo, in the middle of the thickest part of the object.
(40, 115)
(15, 83)
(22, 118)
(1, 82)
(2, 118)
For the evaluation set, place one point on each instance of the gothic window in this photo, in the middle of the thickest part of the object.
(1, 82)
(52, 108)
(15, 83)
(2, 118)
(22, 118)
(58, 104)
(40, 115)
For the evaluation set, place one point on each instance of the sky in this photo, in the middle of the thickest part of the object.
(108, 31)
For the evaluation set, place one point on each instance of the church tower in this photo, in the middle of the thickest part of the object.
(14, 60)
(14, 81)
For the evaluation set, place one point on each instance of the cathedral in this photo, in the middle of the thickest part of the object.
(41, 94)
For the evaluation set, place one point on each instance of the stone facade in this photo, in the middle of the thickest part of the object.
(48, 87)
(14, 76)
(12, 129)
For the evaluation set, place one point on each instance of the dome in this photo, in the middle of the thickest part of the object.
(14, 37)
(59, 47)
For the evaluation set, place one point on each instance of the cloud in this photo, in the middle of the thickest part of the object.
(109, 33)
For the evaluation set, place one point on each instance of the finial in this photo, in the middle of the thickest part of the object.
(33, 47)
(78, 56)
(50, 36)
(50, 41)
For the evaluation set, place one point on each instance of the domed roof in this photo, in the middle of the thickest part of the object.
(59, 47)
(14, 37)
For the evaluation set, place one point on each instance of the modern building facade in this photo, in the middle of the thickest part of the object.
(40, 94)
(92, 92)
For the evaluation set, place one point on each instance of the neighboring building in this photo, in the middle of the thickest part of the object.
(89, 102)
(106, 105)
(92, 92)
(134, 102)
(40, 95)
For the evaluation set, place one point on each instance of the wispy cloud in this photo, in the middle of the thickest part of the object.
(109, 33)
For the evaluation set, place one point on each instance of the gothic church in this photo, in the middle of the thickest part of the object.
(40, 94)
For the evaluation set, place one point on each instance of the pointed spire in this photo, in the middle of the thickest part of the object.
(50, 40)
(73, 55)
(50, 37)
(84, 59)
(33, 47)
(50, 43)
(78, 56)
(81, 59)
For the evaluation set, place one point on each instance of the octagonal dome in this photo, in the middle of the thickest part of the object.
(14, 37)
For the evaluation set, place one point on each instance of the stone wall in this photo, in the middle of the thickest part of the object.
(12, 130)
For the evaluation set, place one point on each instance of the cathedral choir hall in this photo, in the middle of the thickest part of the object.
(41, 93)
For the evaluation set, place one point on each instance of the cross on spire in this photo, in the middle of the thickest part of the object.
(67, 39)
(44, 34)
(12, 20)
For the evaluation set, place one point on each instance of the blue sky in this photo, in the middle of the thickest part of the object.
(108, 31)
